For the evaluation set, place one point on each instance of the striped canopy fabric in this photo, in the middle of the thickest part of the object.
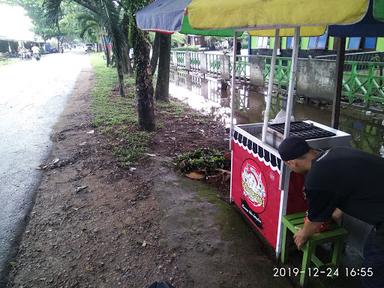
(261, 14)
(304, 31)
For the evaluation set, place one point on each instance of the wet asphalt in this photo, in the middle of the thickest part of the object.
(32, 96)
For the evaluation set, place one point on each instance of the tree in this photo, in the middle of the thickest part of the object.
(91, 30)
(162, 85)
(36, 12)
(109, 15)
(118, 18)
(155, 52)
(178, 39)
(144, 86)
(144, 83)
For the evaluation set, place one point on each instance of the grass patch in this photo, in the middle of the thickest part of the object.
(133, 149)
(115, 116)
(7, 61)
(171, 107)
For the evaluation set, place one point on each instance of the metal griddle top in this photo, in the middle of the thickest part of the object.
(302, 129)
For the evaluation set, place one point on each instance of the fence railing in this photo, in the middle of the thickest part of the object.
(282, 70)
(214, 63)
(357, 56)
(180, 59)
(242, 67)
(195, 60)
(363, 81)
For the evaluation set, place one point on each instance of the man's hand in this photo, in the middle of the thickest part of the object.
(300, 238)
(337, 216)
(308, 230)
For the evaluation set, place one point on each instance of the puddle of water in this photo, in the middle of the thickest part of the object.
(207, 96)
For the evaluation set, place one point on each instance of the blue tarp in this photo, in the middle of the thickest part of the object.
(168, 16)
(368, 27)
(162, 15)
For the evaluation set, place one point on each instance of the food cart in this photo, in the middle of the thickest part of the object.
(262, 187)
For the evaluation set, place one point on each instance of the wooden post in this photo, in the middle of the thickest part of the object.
(339, 81)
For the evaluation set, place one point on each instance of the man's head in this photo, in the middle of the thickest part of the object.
(297, 154)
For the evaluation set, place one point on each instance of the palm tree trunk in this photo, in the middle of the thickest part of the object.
(120, 72)
(127, 66)
(106, 50)
(162, 85)
(144, 86)
(108, 56)
(155, 52)
(125, 31)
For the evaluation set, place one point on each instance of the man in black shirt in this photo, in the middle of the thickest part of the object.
(341, 179)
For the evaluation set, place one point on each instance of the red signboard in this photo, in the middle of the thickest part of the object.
(255, 191)
(255, 187)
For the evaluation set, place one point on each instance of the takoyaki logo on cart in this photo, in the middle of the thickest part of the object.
(253, 185)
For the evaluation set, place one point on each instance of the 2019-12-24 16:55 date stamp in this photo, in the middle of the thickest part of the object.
(323, 272)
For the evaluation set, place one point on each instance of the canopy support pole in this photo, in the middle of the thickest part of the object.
(233, 89)
(285, 173)
(292, 81)
(270, 84)
(339, 82)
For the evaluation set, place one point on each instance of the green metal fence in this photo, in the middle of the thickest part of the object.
(242, 67)
(180, 57)
(214, 63)
(363, 81)
(195, 60)
(282, 70)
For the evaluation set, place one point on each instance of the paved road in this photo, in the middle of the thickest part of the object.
(32, 96)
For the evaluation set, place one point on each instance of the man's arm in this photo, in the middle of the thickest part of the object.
(308, 230)
(311, 228)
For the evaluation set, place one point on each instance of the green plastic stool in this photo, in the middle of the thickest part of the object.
(335, 235)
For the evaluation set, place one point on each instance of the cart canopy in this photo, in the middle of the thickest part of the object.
(168, 16)
(304, 31)
(368, 27)
(378, 10)
(261, 14)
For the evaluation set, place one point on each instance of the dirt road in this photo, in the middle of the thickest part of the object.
(33, 94)
(95, 224)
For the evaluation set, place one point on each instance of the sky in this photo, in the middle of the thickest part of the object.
(15, 24)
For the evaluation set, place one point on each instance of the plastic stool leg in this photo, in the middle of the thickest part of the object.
(337, 251)
(284, 242)
(306, 262)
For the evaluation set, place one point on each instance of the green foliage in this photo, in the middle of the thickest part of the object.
(6, 61)
(244, 40)
(69, 26)
(90, 27)
(116, 116)
(178, 39)
(202, 159)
